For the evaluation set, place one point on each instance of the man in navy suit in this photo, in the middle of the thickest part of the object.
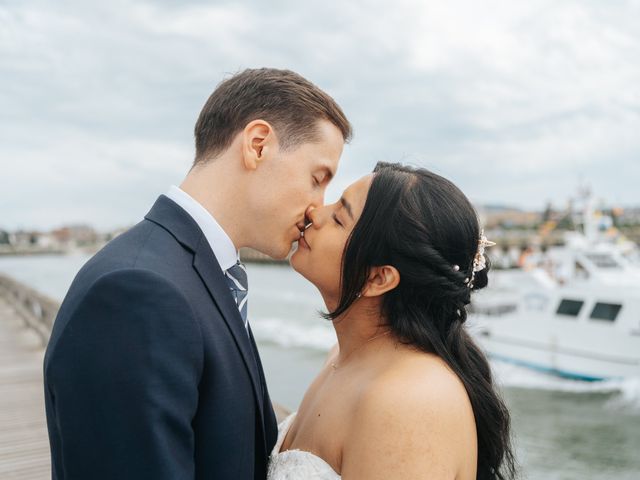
(152, 371)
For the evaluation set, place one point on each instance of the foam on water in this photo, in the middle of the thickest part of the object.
(290, 334)
(628, 396)
(625, 393)
(287, 297)
(511, 375)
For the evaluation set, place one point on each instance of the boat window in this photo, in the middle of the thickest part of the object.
(570, 308)
(606, 311)
(535, 301)
(602, 260)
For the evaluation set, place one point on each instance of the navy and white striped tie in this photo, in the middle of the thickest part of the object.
(239, 286)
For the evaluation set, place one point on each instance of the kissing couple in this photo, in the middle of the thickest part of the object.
(152, 371)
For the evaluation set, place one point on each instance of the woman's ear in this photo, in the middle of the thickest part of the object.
(258, 140)
(381, 280)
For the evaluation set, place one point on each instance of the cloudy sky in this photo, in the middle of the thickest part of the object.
(516, 102)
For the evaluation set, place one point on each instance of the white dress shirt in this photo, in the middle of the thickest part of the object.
(222, 246)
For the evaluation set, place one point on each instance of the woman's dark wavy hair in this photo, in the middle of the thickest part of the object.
(423, 225)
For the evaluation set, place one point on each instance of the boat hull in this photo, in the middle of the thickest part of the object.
(590, 353)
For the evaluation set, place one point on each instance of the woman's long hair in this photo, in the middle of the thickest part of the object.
(423, 225)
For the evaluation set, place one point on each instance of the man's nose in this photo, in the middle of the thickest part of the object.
(318, 199)
(309, 215)
(317, 202)
(314, 215)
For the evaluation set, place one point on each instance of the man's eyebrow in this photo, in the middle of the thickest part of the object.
(347, 206)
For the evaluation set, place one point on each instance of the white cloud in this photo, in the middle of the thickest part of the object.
(512, 100)
(80, 178)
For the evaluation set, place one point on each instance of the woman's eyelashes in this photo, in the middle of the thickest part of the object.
(335, 219)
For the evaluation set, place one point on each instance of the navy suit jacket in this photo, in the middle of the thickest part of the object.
(149, 372)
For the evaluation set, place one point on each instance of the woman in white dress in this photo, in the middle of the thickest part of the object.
(406, 394)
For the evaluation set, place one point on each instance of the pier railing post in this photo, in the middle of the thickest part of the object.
(36, 310)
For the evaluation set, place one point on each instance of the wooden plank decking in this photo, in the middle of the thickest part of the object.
(26, 317)
(24, 445)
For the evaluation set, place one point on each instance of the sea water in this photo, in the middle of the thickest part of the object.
(563, 429)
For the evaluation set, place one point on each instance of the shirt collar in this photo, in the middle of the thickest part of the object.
(221, 245)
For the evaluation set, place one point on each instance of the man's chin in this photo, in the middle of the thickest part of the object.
(282, 253)
(277, 252)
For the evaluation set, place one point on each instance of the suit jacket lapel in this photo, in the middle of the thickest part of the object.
(269, 418)
(211, 274)
(184, 228)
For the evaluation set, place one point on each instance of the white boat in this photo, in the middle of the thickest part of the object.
(577, 315)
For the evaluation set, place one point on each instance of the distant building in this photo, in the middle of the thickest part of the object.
(75, 235)
(628, 216)
(507, 217)
(24, 238)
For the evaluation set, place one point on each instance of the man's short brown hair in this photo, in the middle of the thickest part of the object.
(292, 104)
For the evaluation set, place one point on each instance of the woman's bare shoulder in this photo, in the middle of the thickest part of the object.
(421, 381)
(416, 415)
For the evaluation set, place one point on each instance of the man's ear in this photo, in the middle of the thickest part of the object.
(258, 143)
(381, 280)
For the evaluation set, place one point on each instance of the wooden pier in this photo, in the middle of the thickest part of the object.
(24, 444)
(26, 318)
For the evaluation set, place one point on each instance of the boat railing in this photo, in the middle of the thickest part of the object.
(492, 310)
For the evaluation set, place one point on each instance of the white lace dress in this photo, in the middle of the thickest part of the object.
(296, 464)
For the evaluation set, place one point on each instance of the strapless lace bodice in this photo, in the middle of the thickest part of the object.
(296, 464)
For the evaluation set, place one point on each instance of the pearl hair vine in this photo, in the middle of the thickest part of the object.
(479, 260)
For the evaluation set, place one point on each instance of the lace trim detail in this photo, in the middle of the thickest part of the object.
(296, 464)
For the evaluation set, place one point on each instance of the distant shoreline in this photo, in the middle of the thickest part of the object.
(247, 255)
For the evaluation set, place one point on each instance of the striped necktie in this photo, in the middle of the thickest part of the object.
(239, 285)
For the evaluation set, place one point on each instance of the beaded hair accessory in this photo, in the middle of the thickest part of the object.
(479, 260)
